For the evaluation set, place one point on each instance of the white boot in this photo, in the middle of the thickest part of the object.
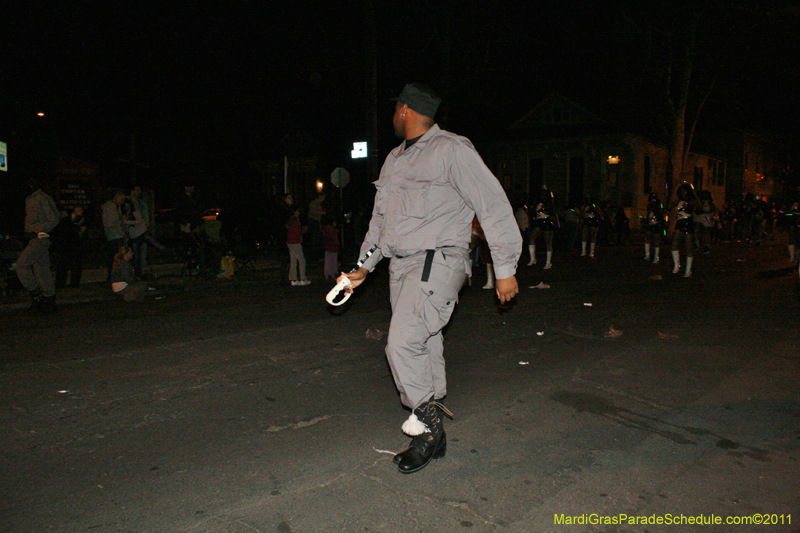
(548, 265)
(583, 248)
(791, 253)
(647, 251)
(591, 251)
(676, 260)
(655, 255)
(532, 251)
(689, 260)
(489, 277)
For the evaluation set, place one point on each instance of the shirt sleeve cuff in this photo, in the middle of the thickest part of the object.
(503, 272)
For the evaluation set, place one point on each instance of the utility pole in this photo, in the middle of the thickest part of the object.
(133, 160)
(371, 91)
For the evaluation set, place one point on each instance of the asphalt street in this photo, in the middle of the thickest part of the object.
(607, 400)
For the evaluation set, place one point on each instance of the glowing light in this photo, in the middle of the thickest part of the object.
(359, 150)
(320, 185)
(39, 114)
(613, 159)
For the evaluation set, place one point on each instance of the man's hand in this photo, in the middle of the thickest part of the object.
(506, 289)
(356, 278)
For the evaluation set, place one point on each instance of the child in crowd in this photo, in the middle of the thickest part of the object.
(331, 247)
(294, 241)
(123, 281)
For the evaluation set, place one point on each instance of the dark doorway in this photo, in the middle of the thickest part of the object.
(577, 179)
(535, 176)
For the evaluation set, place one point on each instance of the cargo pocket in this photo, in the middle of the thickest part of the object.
(436, 312)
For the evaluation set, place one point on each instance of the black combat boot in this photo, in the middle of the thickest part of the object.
(429, 444)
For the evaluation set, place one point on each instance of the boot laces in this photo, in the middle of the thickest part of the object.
(444, 409)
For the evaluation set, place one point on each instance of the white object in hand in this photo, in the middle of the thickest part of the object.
(344, 283)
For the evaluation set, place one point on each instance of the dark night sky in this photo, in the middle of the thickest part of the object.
(224, 84)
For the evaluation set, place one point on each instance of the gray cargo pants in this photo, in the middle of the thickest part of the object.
(420, 309)
(33, 267)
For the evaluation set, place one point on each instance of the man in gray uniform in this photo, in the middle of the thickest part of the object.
(429, 189)
(33, 264)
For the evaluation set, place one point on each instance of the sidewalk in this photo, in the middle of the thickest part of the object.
(94, 287)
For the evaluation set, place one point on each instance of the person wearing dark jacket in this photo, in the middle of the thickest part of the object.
(69, 244)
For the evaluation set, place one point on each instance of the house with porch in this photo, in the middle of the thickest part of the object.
(575, 152)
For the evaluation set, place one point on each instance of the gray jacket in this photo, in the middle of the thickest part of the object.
(427, 196)
(41, 214)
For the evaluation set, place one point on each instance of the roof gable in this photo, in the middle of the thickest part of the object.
(556, 110)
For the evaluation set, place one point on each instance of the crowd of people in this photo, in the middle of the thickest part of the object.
(126, 226)
(691, 224)
(309, 232)
(63, 233)
(437, 208)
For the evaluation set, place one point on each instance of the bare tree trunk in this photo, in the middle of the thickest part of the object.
(679, 148)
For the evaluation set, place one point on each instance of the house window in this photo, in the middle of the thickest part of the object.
(698, 179)
(716, 173)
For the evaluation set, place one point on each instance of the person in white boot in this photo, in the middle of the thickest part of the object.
(705, 220)
(591, 216)
(544, 223)
(489, 276)
(654, 228)
(524, 223)
(793, 228)
(486, 256)
(687, 206)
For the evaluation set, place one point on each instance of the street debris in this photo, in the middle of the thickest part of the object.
(541, 285)
(375, 334)
(667, 336)
(587, 304)
(612, 333)
(524, 363)
(540, 333)
(656, 276)
(385, 451)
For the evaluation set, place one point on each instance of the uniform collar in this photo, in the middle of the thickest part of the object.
(434, 130)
